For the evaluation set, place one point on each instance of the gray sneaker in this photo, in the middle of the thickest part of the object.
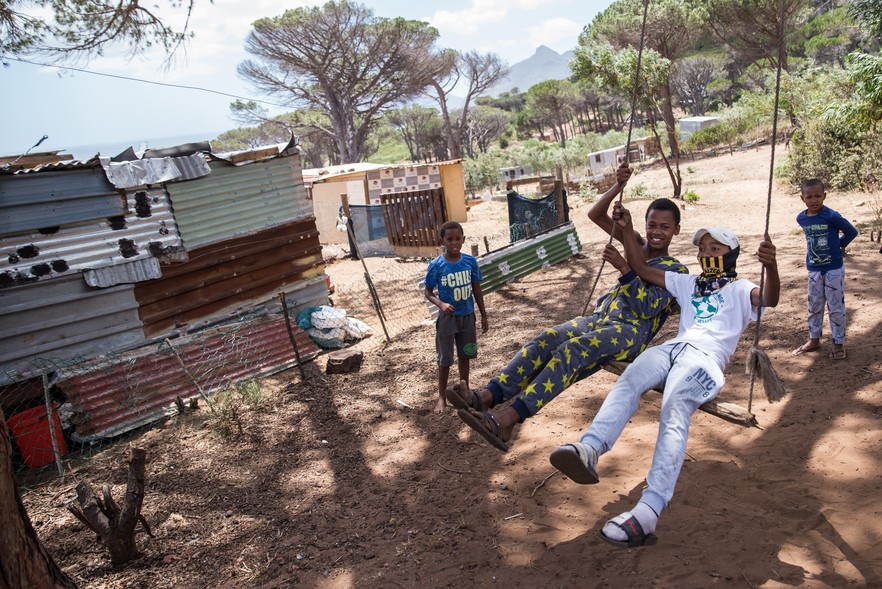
(577, 461)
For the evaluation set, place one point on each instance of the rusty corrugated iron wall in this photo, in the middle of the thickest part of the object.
(222, 277)
(112, 399)
(128, 282)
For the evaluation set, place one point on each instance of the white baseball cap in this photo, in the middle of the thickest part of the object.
(720, 234)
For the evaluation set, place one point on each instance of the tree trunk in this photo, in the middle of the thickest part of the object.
(115, 526)
(671, 125)
(24, 562)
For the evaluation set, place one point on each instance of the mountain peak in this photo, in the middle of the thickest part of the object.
(544, 64)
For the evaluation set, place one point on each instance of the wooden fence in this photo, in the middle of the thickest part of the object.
(412, 219)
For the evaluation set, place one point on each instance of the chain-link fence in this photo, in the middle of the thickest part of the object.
(58, 408)
(387, 292)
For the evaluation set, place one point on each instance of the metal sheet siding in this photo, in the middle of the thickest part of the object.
(221, 277)
(148, 229)
(237, 200)
(521, 258)
(49, 199)
(45, 325)
(114, 399)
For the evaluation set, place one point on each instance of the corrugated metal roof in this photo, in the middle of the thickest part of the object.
(110, 400)
(221, 277)
(45, 325)
(54, 166)
(238, 200)
(34, 201)
(521, 258)
(313, 175)
(130, 174)
(147, 229)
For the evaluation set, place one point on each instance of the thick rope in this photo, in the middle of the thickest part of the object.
(627, 147)
(753, 360)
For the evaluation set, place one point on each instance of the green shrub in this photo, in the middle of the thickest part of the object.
(713, 136)
(639, 191)
(691, 196)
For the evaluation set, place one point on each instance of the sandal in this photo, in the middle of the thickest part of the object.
(485, 424)
(462, 398)
(572, 461)
(838, 354)
(805, 348)
(629, 524)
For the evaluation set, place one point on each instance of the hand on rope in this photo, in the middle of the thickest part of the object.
(613, 257)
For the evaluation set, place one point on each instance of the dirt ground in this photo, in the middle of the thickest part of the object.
(350, 480)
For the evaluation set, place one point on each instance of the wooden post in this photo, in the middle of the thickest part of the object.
(375, 299)
(559, 202)
(291, 334)
(51, 417)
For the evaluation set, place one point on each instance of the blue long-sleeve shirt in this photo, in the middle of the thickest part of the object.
(826, 235)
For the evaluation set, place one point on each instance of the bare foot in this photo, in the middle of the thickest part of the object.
(439, 406)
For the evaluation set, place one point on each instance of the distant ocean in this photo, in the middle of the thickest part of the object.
(112, 148)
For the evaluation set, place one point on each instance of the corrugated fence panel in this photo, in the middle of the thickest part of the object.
(522, 258)
(147, 229)
(43, 326)
(221, 277)
(114, 399)
(237, 200)
(49, 199)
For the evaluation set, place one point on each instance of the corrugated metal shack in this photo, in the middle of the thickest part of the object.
(118, 273)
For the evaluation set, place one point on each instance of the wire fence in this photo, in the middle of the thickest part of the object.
(62, 408)
(59, 408)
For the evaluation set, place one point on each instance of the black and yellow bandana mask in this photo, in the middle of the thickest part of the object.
(716, 272)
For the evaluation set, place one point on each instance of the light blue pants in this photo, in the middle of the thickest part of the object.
(827, 288)
(690, 378)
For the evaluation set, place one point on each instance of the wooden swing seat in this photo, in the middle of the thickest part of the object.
(727, 411)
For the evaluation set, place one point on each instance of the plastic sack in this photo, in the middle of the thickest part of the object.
(330, 328)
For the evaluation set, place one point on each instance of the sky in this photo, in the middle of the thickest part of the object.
(84, 113)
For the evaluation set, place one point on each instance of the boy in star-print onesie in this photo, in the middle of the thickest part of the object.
(624, 321)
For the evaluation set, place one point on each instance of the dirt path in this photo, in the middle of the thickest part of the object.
(350, 481)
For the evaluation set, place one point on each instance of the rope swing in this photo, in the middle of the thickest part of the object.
(758, 362)
(627, 145)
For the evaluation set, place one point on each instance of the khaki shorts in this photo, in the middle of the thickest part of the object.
(456, 331)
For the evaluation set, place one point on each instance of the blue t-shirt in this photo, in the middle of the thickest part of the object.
(454, 282)
(823, 240)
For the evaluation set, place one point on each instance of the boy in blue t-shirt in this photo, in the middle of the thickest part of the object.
(458, 280)
(827, 234)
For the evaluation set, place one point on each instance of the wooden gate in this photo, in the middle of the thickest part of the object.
(412, 221)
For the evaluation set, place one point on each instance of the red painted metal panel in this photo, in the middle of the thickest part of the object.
(118, 397)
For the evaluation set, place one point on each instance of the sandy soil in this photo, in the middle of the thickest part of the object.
(351, 481)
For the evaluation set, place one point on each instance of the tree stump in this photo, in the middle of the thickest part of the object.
(114, 526)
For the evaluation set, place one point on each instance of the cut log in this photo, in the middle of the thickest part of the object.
(727, 411)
